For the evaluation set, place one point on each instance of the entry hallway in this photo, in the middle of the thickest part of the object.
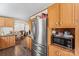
(17, 50)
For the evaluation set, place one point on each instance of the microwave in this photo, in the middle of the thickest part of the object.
(64, 42)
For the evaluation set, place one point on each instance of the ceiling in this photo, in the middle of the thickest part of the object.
(21, 10)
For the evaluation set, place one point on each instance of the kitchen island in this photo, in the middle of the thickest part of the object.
(7, 41)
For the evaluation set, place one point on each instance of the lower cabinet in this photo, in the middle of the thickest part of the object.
(66, 53)
(52, 51)
(56, 51)
(7, 41)
(27, 42)
(11, 40)
(2, 42)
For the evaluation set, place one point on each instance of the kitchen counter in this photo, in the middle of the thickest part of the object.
(7, 35)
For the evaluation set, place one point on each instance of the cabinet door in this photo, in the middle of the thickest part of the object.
(12, 40)
(53, 51)
(77, 41)
(30, 24)
(6, 42)
(2, 41)
(2, 22)
(30, 43)
(77, 14)
(53, 15)
(77, 29)
(58, 51)
(27, 42)
(66, 53)
(50, 52)
(49, 36)
(9, 22)
(67, 15)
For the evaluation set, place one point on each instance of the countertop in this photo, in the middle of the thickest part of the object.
(7, 35)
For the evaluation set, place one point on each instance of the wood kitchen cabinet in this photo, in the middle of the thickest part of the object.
(61, 15)
(27, 42)
(7, 41)
(11, 40)
(77, 41)
(66, 53)
(30, 43)
(58, 51)
(76, 14)
(9, 22)
(67, 15)
(49, 35)
(2, 41)
(53, 15)
(53, 51)
(6, 22)
(2, 22)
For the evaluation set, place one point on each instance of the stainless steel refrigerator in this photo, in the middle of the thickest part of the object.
(39, 31)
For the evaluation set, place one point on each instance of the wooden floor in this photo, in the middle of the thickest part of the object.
(17, 50)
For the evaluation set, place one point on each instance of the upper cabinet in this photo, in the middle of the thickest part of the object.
(30, 24)
(6, 22)
(77, 14)
(53, 15)
(9, 22)
(67, 14)
(2, 22)
(61, 15)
